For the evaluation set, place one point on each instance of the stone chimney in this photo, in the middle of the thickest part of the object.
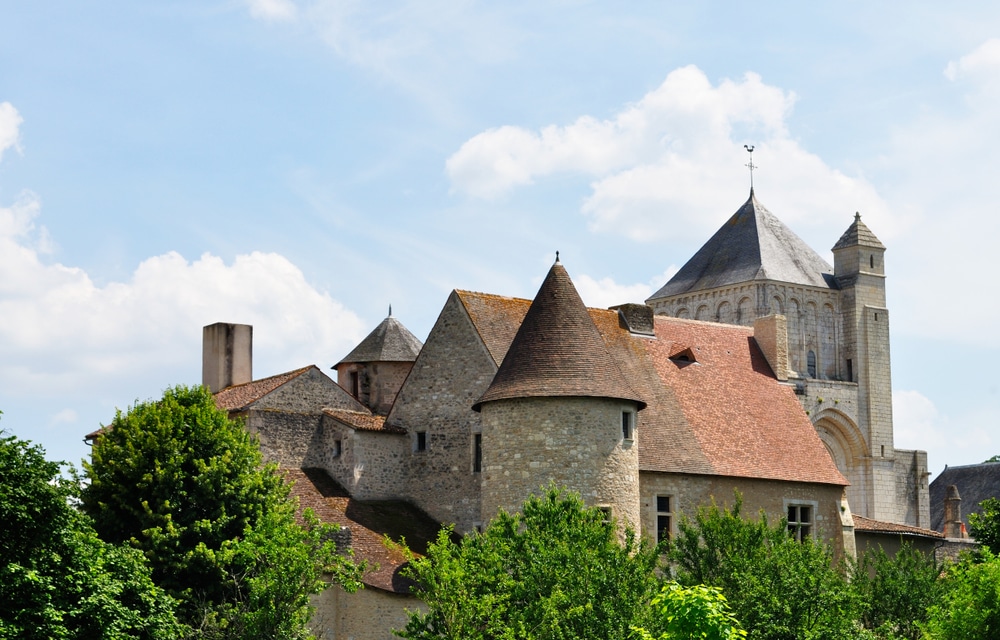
(771, 334)
(226, 355)
(952, 513)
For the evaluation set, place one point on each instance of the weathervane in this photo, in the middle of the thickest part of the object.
(750, 165)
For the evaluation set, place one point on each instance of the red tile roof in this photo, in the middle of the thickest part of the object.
(724, 414)
(238, 397)
(864, 524)
(370, 524)
(362, 421)
(558, 351)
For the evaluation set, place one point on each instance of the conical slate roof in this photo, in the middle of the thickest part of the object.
(858, 234)
(558, 351)
(751, 245)
(390, 341)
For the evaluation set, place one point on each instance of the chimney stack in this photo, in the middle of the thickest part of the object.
(952, 513)
(771, 334)
(226, 355)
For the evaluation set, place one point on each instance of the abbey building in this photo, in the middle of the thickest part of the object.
(758, 368)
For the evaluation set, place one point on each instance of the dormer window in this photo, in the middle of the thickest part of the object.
(685, 354)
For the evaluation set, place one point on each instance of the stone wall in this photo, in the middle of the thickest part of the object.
(369, 614)
(370, 463)
(688, 492)
(450, 374)
(575, 443)
(285, 438)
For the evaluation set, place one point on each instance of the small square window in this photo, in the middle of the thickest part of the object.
(421, 443)
(800, 521)
(606, 510)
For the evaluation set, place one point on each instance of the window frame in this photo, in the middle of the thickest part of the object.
(628, 424)
(801, 528)
(420, 443)
(660, 513)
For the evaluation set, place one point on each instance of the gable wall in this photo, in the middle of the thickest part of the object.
(370, 465)
(451, 372)
(309, 392)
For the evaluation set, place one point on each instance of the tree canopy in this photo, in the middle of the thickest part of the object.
(180, 481)
(779, 588)
(554, 570)
(57, 579)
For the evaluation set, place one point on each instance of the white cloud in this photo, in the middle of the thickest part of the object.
(273, 10)
(60, 330)
(657, 166)
(983, 61)
(605, 292)
(10, 123)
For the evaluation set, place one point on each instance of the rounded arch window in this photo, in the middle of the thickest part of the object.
(811, 363)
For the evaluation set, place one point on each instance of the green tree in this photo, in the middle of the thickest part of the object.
(180, 481)
(896, 591)
(984, 526)
(555, 570)
(779, 588)
(693, 612)
(969, 608)
(57, 579)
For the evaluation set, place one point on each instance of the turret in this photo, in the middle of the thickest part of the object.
(560, 411)
(375, 370)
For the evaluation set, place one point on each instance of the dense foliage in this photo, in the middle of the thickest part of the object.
(984, 526)
(180, 481)
(779, 589)
(896, 591)
(57, 579)
(969, 608)
(555, 570)
(692, 612)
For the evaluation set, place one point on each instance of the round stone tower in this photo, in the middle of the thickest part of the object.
(559, 411)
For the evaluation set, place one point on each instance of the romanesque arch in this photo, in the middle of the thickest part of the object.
(849, 451)
(795, 352)
(777, 307)
(744, 314)
(724, 313)
(701, 313)
(828, 342)
(683, 313)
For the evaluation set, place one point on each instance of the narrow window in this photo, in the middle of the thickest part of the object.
(421, 444)
(800, 521)
(628, 424)
(811, 363)
(338, 448)
(477, 452)
(850, 370)
(883, 450)
(871, 261)
(355, 384)
(664, 518)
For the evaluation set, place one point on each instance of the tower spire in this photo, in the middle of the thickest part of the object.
(750, 165)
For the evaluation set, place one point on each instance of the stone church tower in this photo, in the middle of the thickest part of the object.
(838, 343)
(560, 411)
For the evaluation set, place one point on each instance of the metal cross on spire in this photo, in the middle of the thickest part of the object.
(750, 165)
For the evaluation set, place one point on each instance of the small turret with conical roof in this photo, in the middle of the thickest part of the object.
(560, 411)
(374, 371)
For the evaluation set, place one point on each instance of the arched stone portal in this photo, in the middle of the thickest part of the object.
(849, 451)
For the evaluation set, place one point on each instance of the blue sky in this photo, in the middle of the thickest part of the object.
(301, 165)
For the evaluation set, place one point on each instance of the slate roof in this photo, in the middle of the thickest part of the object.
(240, 396)
(390, 341)
(362, 421)
(724, 414)
(370, 524)
(975, 482)
(867, 525)
(858, 234)
(752, 245)
(558, 351)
